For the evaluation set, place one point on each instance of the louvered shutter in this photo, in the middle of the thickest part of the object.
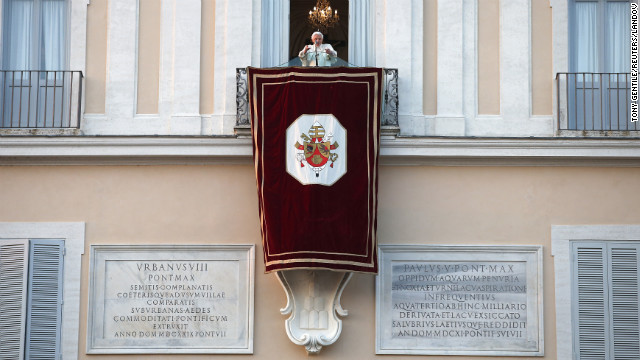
(13, 288)
(606, 295)
(590, 328)
(624, 302)
(44, 306)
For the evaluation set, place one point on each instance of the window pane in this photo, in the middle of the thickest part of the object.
(618, 37)
(53, 19)
(586, 37)
(18, 34)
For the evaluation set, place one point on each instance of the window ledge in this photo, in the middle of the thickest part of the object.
(40, 132)
(60, 150)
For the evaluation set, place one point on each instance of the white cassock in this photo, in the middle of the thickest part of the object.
(324, 59)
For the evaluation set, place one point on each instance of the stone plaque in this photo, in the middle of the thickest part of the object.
(460, 300)
(171, 299)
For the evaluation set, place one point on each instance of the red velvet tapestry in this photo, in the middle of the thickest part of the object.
(316, 134)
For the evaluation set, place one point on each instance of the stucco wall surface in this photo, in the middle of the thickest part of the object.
(198, 204)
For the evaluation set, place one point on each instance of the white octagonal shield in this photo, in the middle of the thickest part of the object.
(316, 149)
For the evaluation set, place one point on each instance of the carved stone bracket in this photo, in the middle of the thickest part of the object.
(313, 300)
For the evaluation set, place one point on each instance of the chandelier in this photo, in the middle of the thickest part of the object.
(322, 17)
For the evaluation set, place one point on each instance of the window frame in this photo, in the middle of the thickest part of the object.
(611, 312)
(562, 239)
(73, 234)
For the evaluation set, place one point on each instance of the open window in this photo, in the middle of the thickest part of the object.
(598, 83)
(35, 86)
(283, 33)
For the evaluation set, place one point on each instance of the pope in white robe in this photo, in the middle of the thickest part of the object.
(321, 53)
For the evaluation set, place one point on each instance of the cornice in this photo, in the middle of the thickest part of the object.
(122, 150)
(406, 151)
(511, 151)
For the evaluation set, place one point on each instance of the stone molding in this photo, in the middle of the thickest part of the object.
(407, 151)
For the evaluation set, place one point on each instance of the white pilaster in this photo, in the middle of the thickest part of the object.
(515, 117)
(560, 16)
(361, 33)
(560, 42)
(470, 61)
(275, 33)
(186, 86)
(179, 92)
(417, 60)
(235, 46)
(165, 90)
(450, 117)
(77, 36)
(179, 80)
(398, 53)
(121, 60)
(515, 59)
(380, 31)
(77, 41)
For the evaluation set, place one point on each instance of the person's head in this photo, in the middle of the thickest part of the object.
(317, 37)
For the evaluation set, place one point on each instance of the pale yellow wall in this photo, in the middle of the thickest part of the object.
(207, 45)
(489, 57)
(96, 71)
(430, 56)
(541, 58)
(218, 204)
(148, 56)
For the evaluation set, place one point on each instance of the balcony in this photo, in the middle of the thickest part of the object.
(389, 125)
(33, 99)
(595, 104)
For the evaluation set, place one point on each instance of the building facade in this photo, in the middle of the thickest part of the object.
(120, 126)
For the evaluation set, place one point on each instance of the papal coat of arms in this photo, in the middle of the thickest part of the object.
(317, 149)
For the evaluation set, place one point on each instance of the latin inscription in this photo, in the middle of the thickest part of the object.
(171, 300)
(459, 301)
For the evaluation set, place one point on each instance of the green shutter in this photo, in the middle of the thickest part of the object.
(44, 305)
(13, 287)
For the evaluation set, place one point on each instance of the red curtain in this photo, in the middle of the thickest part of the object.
(316, 135)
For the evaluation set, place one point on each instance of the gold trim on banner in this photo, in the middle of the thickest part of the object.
(370, 224)
(375, 119)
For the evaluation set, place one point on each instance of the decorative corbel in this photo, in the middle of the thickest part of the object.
(313, 302)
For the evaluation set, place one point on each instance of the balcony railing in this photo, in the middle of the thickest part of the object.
(389, 102)
(598, 102)
(32, 99)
